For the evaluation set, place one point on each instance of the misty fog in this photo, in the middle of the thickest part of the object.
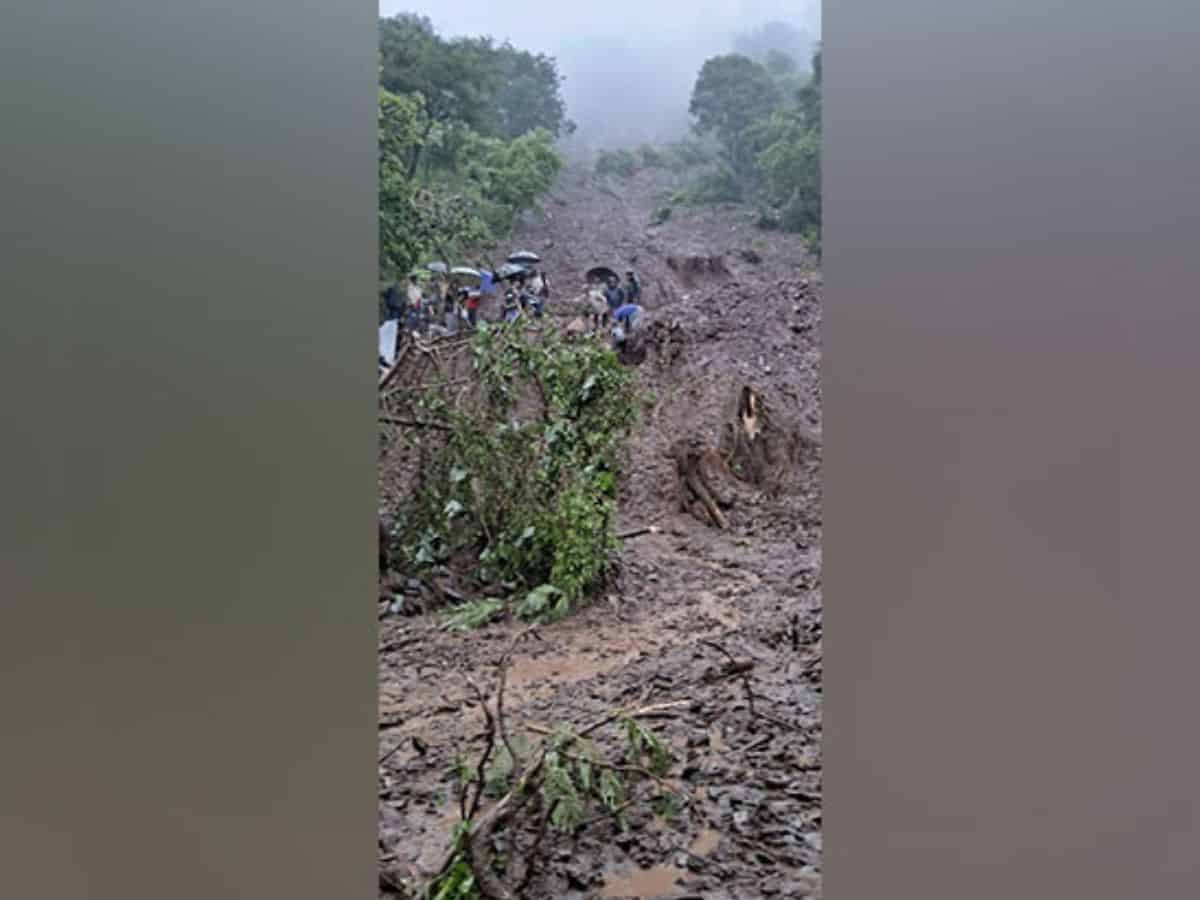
(629, 65)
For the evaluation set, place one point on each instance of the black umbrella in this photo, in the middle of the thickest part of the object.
(600, 273)
(510, 270)
(524, 256)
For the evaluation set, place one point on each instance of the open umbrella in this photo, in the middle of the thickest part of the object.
(524, 256)
(600, 273)
(510, 270)
(466, 272)
(439, 267)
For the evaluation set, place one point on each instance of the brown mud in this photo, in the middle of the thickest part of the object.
(732, 308)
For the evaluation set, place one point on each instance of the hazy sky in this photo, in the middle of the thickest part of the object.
(629, 65)
(540, 24)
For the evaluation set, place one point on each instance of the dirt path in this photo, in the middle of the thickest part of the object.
(752, 825)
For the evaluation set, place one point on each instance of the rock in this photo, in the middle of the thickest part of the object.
(579, 877)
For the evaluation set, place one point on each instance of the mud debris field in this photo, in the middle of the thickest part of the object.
(736, 312)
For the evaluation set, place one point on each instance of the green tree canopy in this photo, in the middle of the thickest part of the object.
(529, 97)
(731, 94)
(495, 90)
(466, 140)
(456, 78)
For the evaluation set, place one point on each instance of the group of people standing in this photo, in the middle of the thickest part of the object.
(418, 308)
(529, 293)
(442, 306)
(445, 305)
(617, 305)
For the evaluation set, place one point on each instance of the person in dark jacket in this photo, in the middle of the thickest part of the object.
(512, 306)
(633, 288)
(614, 296)
(393, 302)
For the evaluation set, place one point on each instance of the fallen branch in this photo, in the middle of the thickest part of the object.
(503, 665)
(410, 423)
(392, 372)
(481, 768)
(477, 840)
(390, 753)
(744, 672)
(638, 532)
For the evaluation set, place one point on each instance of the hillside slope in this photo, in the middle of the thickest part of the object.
(736, 312)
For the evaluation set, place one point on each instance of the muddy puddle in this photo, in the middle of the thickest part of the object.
(706, 843)
(649, 883)
(659, 881)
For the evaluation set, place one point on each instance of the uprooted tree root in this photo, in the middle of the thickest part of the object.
(755, 451)
(697, 467)
(563, 784)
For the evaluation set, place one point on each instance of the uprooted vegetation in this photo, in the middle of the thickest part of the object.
(501, 455)
(571, 780)
(720, 611)
(759, 129)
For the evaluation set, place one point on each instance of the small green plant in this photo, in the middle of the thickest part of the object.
(651, 157)
(716, 187)
(689, 152)
(458, 882)
(812, 237)
(563, 785)
(474, 614)
(621, 163)
(661, 214)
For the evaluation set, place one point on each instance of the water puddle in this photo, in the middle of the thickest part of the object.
(716, 740)
(706, 843)
(644, 883)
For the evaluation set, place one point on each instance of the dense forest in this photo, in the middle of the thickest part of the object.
(467, 131)
(471, 133)
(759, 118)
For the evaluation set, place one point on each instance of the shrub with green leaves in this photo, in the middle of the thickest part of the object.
(721, 186)
(525, 481)
(621, 163)
(467, 130)
(765, 117)
(651, 157)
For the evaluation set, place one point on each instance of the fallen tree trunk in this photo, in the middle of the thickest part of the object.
(689, 464)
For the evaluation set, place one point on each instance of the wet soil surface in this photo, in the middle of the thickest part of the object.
(749, 766)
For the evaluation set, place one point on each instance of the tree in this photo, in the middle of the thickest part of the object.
(731, 94)
(415, 220)
(507, 177)
(789, 159)
(529, 96)
(774, 37)
(456, 78)
(496, 90)
(791, 170)
(809, 95)
(466, 140)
